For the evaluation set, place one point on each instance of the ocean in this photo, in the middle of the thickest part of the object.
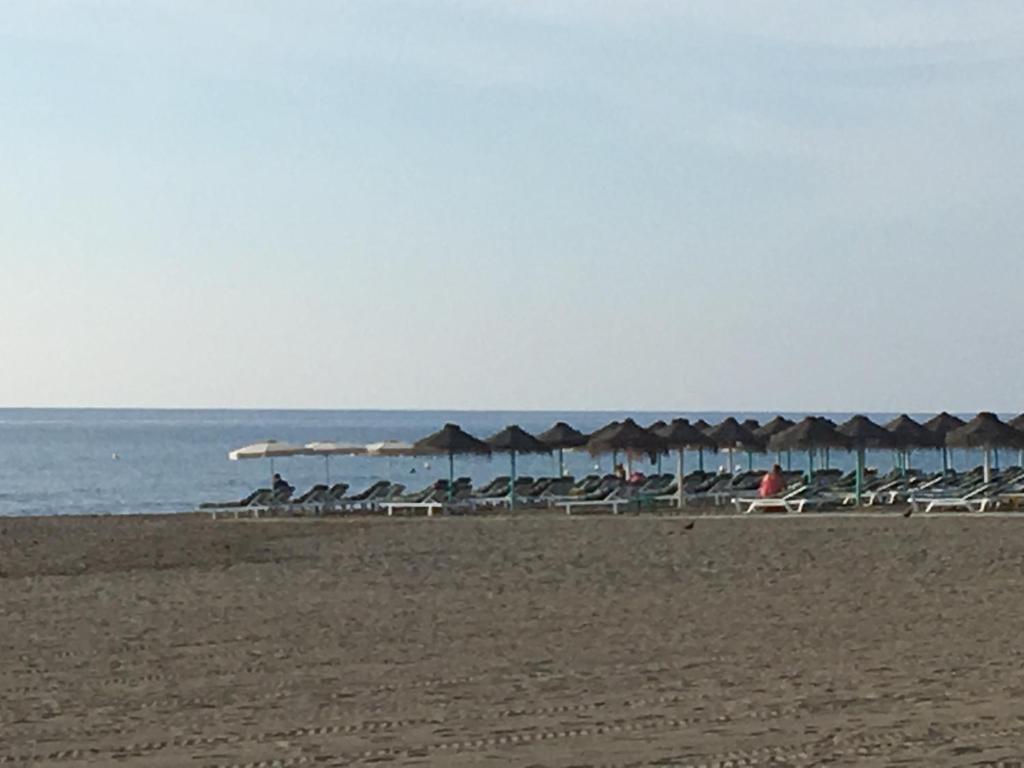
(97, 461)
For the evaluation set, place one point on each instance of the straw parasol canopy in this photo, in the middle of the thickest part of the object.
(773, 427)
(703, 426)
(1017, 423)
(907, 433)
(680, 435)
(752, 424)
(451, 440)
(514, 440)
(810, 433)
(625, 436)
(731, 434)
(863, 433)
(985, 431)
(561, 435)
(942, 424)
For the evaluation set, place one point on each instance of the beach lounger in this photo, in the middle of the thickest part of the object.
(791, 501)
(276, 502)
(977, 500)
(609, 494)
(256, 498)
(428, 506)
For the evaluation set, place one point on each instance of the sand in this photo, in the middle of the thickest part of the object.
(539, 641)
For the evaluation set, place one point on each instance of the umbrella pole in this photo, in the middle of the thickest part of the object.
(810, 466)
(987, 465)
(750, 461)
(271, 473)
(659, 463)
(995, 456)
(828, 458)
(860, 474)
(451, 476)
(732, 462)
(789, 460)
(561, 463)
(327, 469)
(945, 461)
(679, 476)
(700, 459)
(512, 484)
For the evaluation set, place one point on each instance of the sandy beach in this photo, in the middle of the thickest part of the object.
(540, 641)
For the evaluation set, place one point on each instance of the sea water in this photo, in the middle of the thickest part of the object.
(86, 461)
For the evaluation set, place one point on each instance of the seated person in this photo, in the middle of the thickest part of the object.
(280, 483)
(772, 484)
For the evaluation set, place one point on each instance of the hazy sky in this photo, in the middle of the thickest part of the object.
(551, 204)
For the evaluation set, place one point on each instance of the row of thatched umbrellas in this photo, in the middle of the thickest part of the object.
(814, 433)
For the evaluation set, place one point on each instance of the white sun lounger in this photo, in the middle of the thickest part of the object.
(614, 504)
(429, 506)
(791, 501)
(977, 500)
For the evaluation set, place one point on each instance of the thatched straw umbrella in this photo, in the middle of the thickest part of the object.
(908, 435)
(560, 437)
(987, 432)
(730, 435)
(810, 434)
(753, 425)
(625, 436)
(656, 427)
(611, 426)
(451, 440)
(863, 433)
(940, 426)
(1017, 422)
(703, 426)
(514, 440)
(765, 431)
(680, 435)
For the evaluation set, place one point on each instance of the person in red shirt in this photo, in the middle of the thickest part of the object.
(772, 484)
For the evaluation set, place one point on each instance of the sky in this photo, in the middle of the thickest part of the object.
(793, 205)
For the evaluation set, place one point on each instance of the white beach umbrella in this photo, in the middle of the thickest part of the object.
(268, 449)
(392, 448)
(330, 448)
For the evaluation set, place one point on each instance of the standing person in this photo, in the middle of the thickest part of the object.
(772, 484)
